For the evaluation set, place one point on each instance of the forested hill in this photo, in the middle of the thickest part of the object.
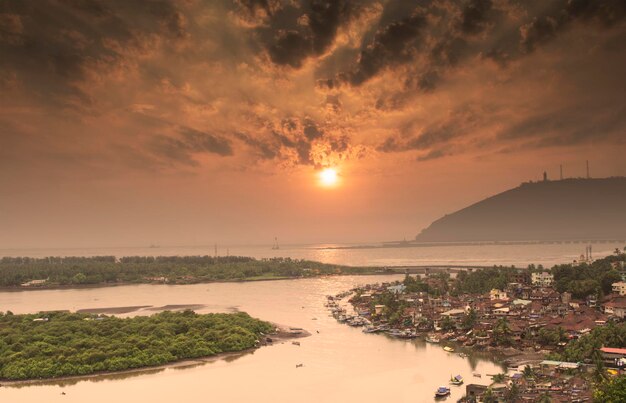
(567, 209)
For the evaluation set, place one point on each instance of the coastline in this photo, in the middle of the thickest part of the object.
(283, 335)
(121, 284)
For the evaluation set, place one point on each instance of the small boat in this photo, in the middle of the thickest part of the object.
(432, 339)
(457, 380)
(299, 365)
(462, 355)
(477, 375)
(448, 349)
(295, 343)
(442, 391)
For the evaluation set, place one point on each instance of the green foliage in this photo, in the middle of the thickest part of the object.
(611, 390)
(552, 336)
(79, 344)
(415, 284)
(583, 349)
(172, 269)
(502, 333)
(587, 279)
(481, 281)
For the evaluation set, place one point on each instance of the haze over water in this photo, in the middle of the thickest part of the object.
(480, 255)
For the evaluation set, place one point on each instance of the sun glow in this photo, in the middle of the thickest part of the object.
(328, 177)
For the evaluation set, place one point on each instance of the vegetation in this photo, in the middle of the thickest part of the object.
(481, 281)
(98, 270)
(586, 279)
(584, 348)
(611, 390)
(63, 344)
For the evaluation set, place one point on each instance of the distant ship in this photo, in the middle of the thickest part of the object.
(275, 246)
(153, 246)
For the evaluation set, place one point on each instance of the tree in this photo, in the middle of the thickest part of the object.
(469, 319)
(528, 372)
(611, 390)
(499, 378)
(447, 324)
(502, 332)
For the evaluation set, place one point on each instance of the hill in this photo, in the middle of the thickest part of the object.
(570, 209)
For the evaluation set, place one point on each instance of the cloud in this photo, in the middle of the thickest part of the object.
(308, 82)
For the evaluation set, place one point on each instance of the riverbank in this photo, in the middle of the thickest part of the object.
(282, 335)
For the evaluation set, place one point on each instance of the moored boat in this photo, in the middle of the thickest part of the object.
(448, 349)
(442, 391)
(432, 339)
(457, 380)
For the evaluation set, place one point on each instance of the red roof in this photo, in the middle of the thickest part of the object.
(613, 350)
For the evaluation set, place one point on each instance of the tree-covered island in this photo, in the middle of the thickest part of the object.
(58, 344)
(50, 272)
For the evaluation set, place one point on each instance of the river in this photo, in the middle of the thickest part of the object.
(341, 364)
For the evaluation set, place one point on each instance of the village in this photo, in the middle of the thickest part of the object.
(555, 346)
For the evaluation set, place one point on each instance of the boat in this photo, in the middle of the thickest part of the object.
(442, 391)
(457, 380)
(432, 339)
(295, 343)
(477, 375)
(448, 349)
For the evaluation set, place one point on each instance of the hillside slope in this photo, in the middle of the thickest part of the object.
(552, 210)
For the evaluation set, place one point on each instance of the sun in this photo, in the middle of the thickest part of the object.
(328, 177)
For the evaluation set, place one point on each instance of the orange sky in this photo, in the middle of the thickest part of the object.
(192, 123)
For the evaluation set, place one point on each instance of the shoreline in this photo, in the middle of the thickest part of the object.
(121, 284)
(283, 335)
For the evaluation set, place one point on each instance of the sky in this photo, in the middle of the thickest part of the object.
(190, 122)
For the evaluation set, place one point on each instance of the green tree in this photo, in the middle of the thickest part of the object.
(611, 390)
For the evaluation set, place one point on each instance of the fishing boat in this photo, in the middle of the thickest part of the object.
(448, 349)
(457, 380)
(432, 339)
(442, 391)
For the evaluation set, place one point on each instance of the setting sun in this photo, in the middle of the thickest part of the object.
(328, 177)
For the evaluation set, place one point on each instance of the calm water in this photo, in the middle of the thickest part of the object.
(341, 364)
(519, 255)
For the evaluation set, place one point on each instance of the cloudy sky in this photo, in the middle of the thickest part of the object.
(193, 122)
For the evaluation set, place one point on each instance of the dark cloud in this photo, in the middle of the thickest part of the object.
(393, 44)
(181, 149)
(475, 16)
(295, 33)
(559, 15)
(53, 47)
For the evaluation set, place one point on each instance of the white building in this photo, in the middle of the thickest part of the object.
(619, 287)
(543, 279)
(496, 294)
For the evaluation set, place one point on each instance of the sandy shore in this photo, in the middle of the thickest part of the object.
(283, 334)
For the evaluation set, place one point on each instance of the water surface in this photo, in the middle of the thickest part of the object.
(341, 364)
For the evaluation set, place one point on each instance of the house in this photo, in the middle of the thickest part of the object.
(396, 289)
(619, 287)
(616, 307)
(496, 294)
(614, 357)
(543, 279)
